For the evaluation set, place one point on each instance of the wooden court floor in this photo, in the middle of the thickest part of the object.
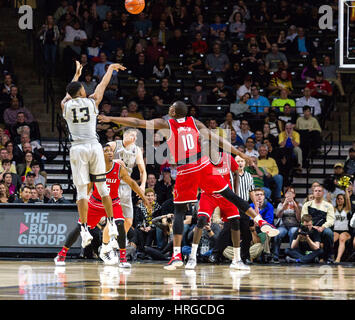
(91, 280)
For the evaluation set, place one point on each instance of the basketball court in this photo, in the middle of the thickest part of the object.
(78, 280)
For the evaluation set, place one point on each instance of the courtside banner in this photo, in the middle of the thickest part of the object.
(36, 225)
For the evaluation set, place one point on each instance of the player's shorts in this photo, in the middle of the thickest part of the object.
(192, 176)
(97, 210)
(208, 203)
(86, 159)
(125, 193)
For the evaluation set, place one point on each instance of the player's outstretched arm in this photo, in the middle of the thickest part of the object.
(136, 123)
(222, 142)
(100, 89)
(133, 185)
(76, 77)
(79, 68)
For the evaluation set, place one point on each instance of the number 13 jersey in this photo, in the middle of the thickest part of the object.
(184, 140)
(81, 115)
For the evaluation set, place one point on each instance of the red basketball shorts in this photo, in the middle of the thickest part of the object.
(208, 203)
(192, 176)
(96, 211)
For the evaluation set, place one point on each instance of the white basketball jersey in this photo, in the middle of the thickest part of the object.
(127, 155)
(81, 115)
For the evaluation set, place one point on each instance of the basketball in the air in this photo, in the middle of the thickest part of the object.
(134, 6)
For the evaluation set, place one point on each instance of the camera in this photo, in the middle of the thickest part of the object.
(304, 231)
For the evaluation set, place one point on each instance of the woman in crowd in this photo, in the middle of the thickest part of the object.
(309, 72)
(11, 187)
(4, 193)
(238, 27)
(10, 150)
(161, 69)
(341, 225)
(23, 168)
(288, 213)
(267, 135)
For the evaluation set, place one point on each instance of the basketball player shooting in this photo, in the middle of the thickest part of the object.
(195, 170)
(86, 156)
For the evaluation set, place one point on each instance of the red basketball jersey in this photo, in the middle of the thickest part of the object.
(112, 182)
(184, 139)
(225, 167)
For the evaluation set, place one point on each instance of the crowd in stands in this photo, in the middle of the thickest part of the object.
(264, 64)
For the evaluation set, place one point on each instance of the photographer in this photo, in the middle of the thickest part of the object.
(305, 246)
(165, 223)
(323, 217)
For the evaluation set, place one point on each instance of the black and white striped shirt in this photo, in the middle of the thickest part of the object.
(246, 185)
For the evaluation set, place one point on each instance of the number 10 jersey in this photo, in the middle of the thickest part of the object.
(184, 140)
(81, 115)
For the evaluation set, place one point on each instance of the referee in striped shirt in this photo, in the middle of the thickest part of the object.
(246, 192)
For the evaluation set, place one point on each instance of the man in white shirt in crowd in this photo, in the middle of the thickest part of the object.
(308, 100)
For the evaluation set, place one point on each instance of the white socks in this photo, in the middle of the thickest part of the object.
(236, 254)
(194, 250)
(177, 250)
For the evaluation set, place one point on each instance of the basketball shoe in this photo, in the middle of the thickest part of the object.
(191, 264)
(268, 228)
(86, 237)
(175, 262)
(59, 260)
(107, 255)
(239, 265)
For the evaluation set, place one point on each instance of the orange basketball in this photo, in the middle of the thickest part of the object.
(134, 6)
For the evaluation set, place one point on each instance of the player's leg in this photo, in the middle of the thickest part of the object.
(207, 205)
(126, 205)
(97, 169)
(185, 191)
(107, 254)
(237, 262)
(81, 177)
(244, 206)
(83, 206)
(70, 240)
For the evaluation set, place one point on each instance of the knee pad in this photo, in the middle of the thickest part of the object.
(179, 215)
(235, 224)
(81, 192)
(201, 222)
(102, 189)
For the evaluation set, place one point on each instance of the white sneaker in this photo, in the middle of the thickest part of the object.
(239, 265)
(124, 265)
(112, 229)
(59, 260)
(86, 237)
(191, 264)
(108, 257)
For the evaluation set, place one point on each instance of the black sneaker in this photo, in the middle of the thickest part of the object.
(213, 258)
(330, 261)
(275, 260)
